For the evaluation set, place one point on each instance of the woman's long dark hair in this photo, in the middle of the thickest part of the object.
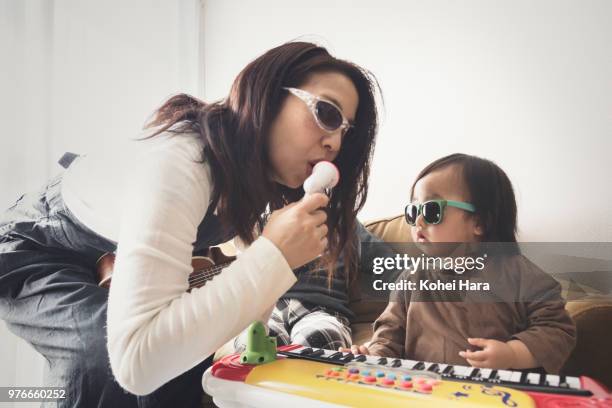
(235, 135)
(490, 190)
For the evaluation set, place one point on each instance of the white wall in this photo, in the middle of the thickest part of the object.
(524, 83)
(82, 75)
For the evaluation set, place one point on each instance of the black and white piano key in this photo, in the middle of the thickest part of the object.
(516, 377)
(347, 358)
(318, 353)
(336, 356)
(533, 378)
(396, 363)
(462, 371)
(410, 364)
(552, 380)
(485, 373)
(304, 351)
(442, 368)
(419, 366)
(504, 375)
(573, 382)
(322, 355)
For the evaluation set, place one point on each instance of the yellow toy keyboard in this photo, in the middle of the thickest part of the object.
(296, 376)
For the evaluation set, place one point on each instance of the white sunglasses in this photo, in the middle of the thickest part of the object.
(327, 114)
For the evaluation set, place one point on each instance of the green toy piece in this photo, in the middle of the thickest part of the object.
(260, 348)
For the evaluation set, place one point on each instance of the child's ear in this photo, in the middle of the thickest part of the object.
(478, 227)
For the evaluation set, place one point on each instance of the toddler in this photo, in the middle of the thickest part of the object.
(466, 199)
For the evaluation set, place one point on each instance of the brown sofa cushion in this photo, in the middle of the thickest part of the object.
(591, 357)
(393, 229)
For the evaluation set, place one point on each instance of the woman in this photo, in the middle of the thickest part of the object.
(208, 172)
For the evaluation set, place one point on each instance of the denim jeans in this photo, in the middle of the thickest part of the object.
(49, 297)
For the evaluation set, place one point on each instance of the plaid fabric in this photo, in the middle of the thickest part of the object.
(296, 322)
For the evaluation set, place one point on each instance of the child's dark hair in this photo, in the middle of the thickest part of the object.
(490, 191)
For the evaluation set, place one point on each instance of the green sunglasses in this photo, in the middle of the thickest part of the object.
(433, 210)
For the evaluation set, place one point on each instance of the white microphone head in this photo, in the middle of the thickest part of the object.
(324, 175)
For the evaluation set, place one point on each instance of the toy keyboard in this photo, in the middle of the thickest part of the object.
(305, 377)
(535, 382)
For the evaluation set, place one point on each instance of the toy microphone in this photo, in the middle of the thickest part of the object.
(324, 175)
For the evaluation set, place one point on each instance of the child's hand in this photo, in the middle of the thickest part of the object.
(355, 349)
(494, 354)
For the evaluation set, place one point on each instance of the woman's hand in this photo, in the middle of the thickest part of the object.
(298, 230)
(494, 354)
(355, 349)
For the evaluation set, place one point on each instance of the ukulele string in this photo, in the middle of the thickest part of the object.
(202, 281)
(198, 279)
(202, 278)
(207, 272)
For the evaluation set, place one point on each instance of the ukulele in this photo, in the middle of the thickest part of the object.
(204, 267)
